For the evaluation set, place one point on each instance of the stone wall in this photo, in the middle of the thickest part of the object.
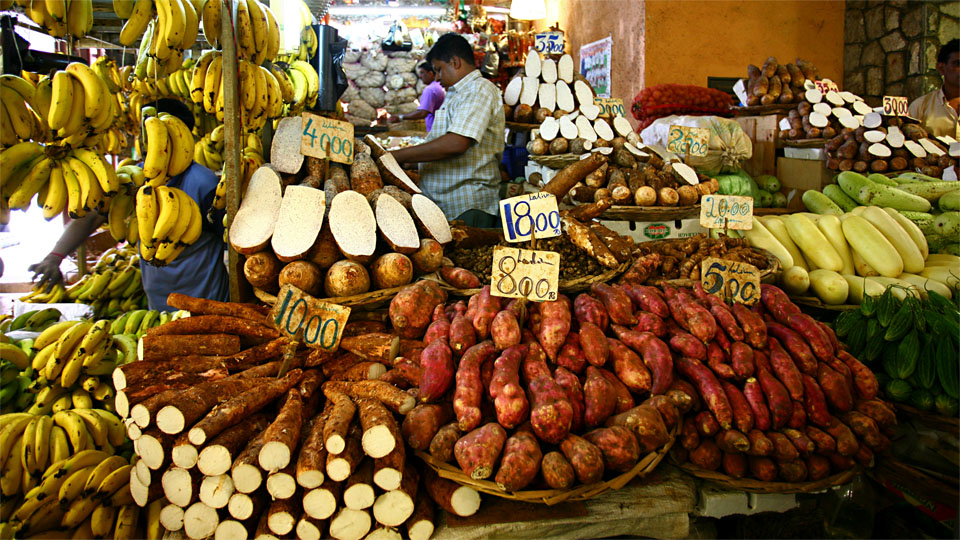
(890, 47)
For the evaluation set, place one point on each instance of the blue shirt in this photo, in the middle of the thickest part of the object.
(199, 270)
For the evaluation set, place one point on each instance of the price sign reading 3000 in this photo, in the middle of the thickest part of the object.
(726, 212)
(530, 214)
(522, 273)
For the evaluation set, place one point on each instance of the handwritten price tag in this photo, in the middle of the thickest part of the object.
(895, 106)
(609, 107)
(522, 273)
(826, 86)
(320, 133)
(304, 318)
(688, 140)
(549, 42)
(726, 212)
(530, 214)
(737, 281)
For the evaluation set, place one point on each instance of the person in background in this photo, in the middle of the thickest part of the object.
(198, 271)
(459, 162)
(937, 110)
(430, 100)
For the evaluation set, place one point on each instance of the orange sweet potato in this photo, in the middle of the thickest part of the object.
(509, 399)
(469, 388)
(571, 355)
(557, 471)
(618, 446)
(505, 330)
(520, 463)
(707, 455)
(629, 367)
(459, 278)
(585, 457)
(412, 308)
(422, 423)
(574, 390)
(477, 452)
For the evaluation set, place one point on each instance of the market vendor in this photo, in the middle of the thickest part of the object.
(937, 110)
(459, 162)
(430, 100)
(199, 271)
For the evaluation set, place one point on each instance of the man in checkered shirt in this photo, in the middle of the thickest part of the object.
(459, 162)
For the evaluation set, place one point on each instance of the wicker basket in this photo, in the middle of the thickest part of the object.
(552, 496)
(563, 286)
(651, 213)
(366, 299)
(753, 485)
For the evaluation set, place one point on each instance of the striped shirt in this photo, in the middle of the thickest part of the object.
(935, 115)
(473, 108)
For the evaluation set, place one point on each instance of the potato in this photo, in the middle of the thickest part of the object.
(346, 278)
(645, 196)
(303, 275)
(391, 270)
(559, 146)
(429, 257)
(688, 195)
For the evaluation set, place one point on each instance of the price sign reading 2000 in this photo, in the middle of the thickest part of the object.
(726, 212)
(534, 214)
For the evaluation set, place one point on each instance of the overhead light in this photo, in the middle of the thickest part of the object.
(416, 11)
(528, 10)
(495, 9)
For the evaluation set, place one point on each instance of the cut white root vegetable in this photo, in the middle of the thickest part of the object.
(396, 225)
(605, 150)
(568, 130)
(874, 136)
(894, 137)
(548, 71)
(256, 219)
(431, 219)
(531, 88)
(548, 96)
(285, 153)
(565, 100)
(931, 148)
(199, 520)
(834, 97)
(860, 107)
(585, 129)
(946, 139)
(565, 69)
(872, 120)
(603, 129)
(622, 126)
(393, 173)
(784, 124)
(822, 108)
(880, 150)
(849, 122)
(818, 120)
(573, 116)
(511, 94)
(915, 149)
(549, 128)
(583, 91)
(813, 95)
(298, 222)
(215, 491)
(849, 97)
(954, 150)
(350, 524)
(635, 151)
(353, 224)
(532, 64)
(590, 110)
(950, 173)
(686, 172)
(841, 112)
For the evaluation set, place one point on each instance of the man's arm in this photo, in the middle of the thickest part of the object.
(445, 146)
(418, 114)
(73, 235)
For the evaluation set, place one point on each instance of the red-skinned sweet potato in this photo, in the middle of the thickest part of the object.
(572, 387)
(742, 413)
(735, 465)
(687, 345)
(629, 367)
(808, 328)
(477, 452)
(786, 370)
(487, 307)
(624, 397)
(881, 413)
(709, 388)
(776, 302)
(719, 362)
(469, 389)
(760, 445)
(763, 468)
(725, 318)
(508, 396)
(599, 398)
(655, 354)
(822, 441)
(462, 335)
(585, 457)
(864, 380)
(647, 299)
(589, 309)
(459, 278)
(834, 388)
(783, 449)
(799, 350)
(648, 322)
(554, 326)
(840, 462)
(778, 400)
(818, 467)
(593, 344)
(689, 436)
(668, 411)
(437, 370)
(754, 329)
(422, 423)
(557, 471)
(741, 359)
(732, 441)
(685, 387)
(864, 426)
(646, 424)
(793, 470)
(412, 308)
(505, 330)
(758, 404)
(800, 441)
(707, 425)
(551, 414)
(571, 356)
(799, 417)
(618, 304)
(618, 446)
(847, 444)
(439, 328)
(699, 321)
(707, 455)
(520, 463)
(534, 363)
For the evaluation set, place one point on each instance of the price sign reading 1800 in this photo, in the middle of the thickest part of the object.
(726, 212)
(523, 273)
(694, 141)
(895, 106)
(737, 281)
(321, 135)
(534, 214)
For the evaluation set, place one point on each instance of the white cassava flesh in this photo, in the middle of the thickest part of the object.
(549, 128)
(532, 65)
(531, 88)
(511, 94)
(353, 224)
(565, 69)
(603, 129)
(200, 521)
(568, 130)
(565, 101)
(585, 130)
(215, 491)
(548, 96)
(350, 524)
(396, 225)
(298, 222)
(431, 219)
(256, 218)
(285, 153)
(548, 71)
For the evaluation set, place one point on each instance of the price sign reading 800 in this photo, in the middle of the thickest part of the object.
(549, 42)
(737, 281)
(688, 140)
(534, 214)
(726, 212)
(522, 273)
(895, 106)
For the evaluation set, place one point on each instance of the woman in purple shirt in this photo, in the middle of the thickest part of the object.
(430, 100)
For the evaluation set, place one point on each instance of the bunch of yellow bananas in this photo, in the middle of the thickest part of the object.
(308, 43)
(162, 39)
(79, 104)
(251, 159)
(169, 147)
(209, 150)
(169, 220)
(18, 121)
(113, 285)
(306, 83)
(257, 32)
(60, 17)
(40, 295)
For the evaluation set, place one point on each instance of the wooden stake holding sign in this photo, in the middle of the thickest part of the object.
(726, 212)
(526, 216)
(731, 280)
(304, 318)
(326, 138)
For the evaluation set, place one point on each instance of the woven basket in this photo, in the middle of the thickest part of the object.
(366, 299)
(552, 496)
(813, 301)
(555, 161)
(651, 213)
(773, 267)
(563, 286)
(929, 419)
(753, 485)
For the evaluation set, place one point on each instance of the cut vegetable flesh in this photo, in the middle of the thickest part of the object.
(253, 225)
(431, 217)
(353, 224)
(298, 222)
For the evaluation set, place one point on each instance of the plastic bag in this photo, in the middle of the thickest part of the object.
(729, 146)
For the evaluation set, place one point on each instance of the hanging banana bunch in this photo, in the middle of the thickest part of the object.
(209, 150)
(59, 17)
(168, 148)
(308, 44)
(168, 220)
(162, 38)
(251, 159)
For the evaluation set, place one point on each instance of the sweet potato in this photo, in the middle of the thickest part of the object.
(557, 471)
(794, 470)
(439, 328)
(520, 463)
(761, 360)
(800, 441)
(760, 445)
(689, 435)
(505, 330)
(487, 307)
(799, 350)
(732, 441)
(741, 359)
(822, 441)
(763, 468)
(719, 362)
(624, 397)
(753, 326)
(429, 257)
(753, 392)
(437, 374)
(589, 309)
(617, 303)
(778, 400)
(511, 403)
(686, 345)
(551, 414)
(834, 388)
(462, 335)
(777, 302)
(707, 455)
(593, 344)
(818, 467)
(646, 424)
(459, 278)
(783, 449)
(864, 456)
(647, 299)
(656, 356)
(799, 417)
(441, 445)
(735, 465)
(585, 457)
(600, 399)
(629, 367)
(648, 322)
(742, 413)
(698, 320)
(725, 319)
(707, 425)
(864, 380)
(618, 446)
(680, 399)
(709, 388)
(422, 423)
(808, 328)
(554, 326)
(412, 308)
(785, 370)
(477, 452)
(881, 413)
(469, 388)
(864, 426)
(684, 387)
(574, 390)
(665, 406)
(571, 355)
(847, 444)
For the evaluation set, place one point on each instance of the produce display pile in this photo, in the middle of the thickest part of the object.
(380, 80)
(912, 346)
(681, 258)
(932, 205)
(574, 262)
(549, 88)
(778, 83)
(667, 99)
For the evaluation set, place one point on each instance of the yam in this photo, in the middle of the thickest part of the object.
(530, 91)
(286, 145)
(303, 275)
(346, 278)
(324, 251)
(364, 175)
(547, 95)
(428, 257)
(262, 270)
(256, 218)
(395, 224)
(391, 270)
(559, 146)
(532, 64)
(431, 219)
(511, 94)
(565, 101)
(353, 225)
(583, 91)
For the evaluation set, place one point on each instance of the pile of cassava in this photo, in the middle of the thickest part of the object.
(681, 258)
(334, 232)
(548, 88)
(778, 83)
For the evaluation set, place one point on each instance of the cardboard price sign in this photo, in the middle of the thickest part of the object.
(523, 273)
(692, 141)
(533, 214)
(737, 281)
(610, 107)
(549, 42)
(826, 86)
(895, 105)
(304, 318)
(726, 212)
(326, 138)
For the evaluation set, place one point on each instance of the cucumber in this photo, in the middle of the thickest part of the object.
(931, 191)
(768, 182)
(901, 323)
(881, 179)
(869, 193)
(907, 353)
(948, 372)
(839, 198)
(948, 224)
(921, 399)
(926, 370)
(847, 320)
(869, 305)
(945, 405)
(898, 389)
(887, 307)
(950, 201)
(818, 203)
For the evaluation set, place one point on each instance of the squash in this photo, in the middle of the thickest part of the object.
(830, 287)
(872, 246)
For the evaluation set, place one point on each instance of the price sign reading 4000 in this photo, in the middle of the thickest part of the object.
(522, 273)
(531, 214)
(737, 281)
(326, 138)
(726, 212)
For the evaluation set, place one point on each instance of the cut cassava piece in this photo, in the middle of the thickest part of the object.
(246, 474)
(340, 466)
(567, 177)
(281, 438)
(184, 408)
(180, 486)
(157, 348)
(511, 94)
(298, 222)
(153, 448)
(396, 225)
(549, 128)
(685, 173)
(171, 517)
(393, 174)
(548, 71)
(214, 324)
(230, 529)
(205, 306)
(585, 129)
(253, 224)
(394, 507)
(285, 153)
(460, 500)
(183, 454)
(243, 506)
(361, 371)
(350, 524)
(282, 484)
(582, 90)
(138, 403)
(217, 456)
(532, 64)
(282, 516)
(200, 521)
(530, 91)
(215, 491)
(312, 456)
(392, 397)
(565, 100)
(338, 422)
(311, 529)
(431, 219)
(420, 524)
(358, 492)
(622, 126)
(142, 494)
(353, 225)
(568, 129)
(547, 95)
(321, 502)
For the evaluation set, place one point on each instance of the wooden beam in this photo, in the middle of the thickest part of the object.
(231, 141)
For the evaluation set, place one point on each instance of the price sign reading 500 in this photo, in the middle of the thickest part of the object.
(737, 281)
(528, 215)
(726, 212)
(522, 273)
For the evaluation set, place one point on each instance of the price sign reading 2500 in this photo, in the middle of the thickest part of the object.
(522, 273)
(528, 215)
(688, 140)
